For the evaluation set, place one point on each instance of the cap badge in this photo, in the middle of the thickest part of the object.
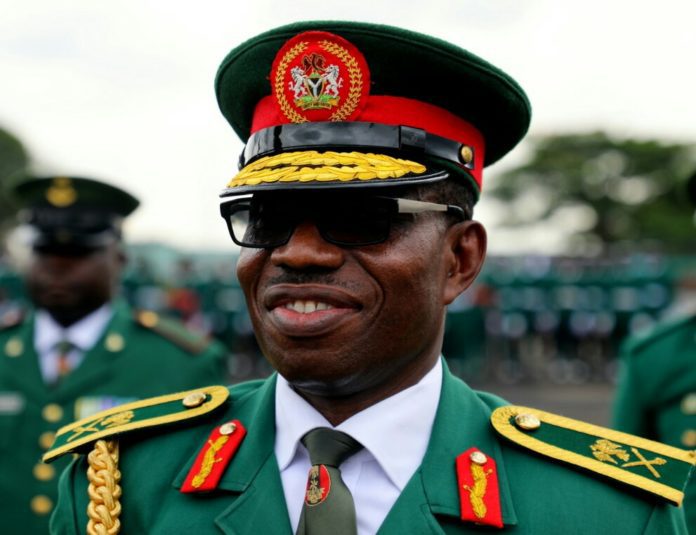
(319, 76)
(61, 193)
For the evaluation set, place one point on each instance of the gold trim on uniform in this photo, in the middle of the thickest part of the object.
(688, 404)
(44, 472)
(501, 422)
(193, 400)
(14, 347)
(689, 438)
(148, 318)
(88, 433)
(41, 505)
(114, 342)
(52, 413)
(329, 166)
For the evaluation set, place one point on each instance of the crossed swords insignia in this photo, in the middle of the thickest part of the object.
(606, 451)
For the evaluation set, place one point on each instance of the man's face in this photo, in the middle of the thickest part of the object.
(336, 321)
(70, 286)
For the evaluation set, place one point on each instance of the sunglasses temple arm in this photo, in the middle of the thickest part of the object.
(410, 206)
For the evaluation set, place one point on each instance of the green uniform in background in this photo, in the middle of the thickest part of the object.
(537, 495)
(656, 397)
(139, 355)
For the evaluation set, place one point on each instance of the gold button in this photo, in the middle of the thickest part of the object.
(44, 472)
(478, 457)
(689, 438)
(14, 347)
(466, 154)
(46, 439)
(194, 399)
(52, 413)
(688, 404)
(228, 428)
(41, 504)
(528, 422)
(114, 342)
(148, 318)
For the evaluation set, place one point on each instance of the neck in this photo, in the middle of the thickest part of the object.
(337, 409)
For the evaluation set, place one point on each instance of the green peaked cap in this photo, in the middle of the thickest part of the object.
(403, 64)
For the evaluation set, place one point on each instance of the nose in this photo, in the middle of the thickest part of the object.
(306, 248)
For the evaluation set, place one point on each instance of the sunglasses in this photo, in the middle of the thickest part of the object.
(267, 222)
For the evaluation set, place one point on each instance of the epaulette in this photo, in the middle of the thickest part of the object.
(13, 317)
(663, 329)
(172, 330)
(138, 415)
(651, 466)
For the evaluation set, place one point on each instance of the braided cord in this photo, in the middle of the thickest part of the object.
(104, 490)
(309, 166)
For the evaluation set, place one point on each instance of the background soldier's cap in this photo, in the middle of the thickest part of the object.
(71, 213)
(345, 104)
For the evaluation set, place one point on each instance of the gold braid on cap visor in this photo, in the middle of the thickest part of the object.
(311, 166)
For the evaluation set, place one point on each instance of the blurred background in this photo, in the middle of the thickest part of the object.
(591, 233)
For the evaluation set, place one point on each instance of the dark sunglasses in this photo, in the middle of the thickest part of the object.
(269, 222)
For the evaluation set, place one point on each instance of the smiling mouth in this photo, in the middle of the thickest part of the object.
(306, 306)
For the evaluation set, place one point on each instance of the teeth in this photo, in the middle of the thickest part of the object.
(307, 307)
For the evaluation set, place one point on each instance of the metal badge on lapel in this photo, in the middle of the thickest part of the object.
(214, 457)
(479, 497)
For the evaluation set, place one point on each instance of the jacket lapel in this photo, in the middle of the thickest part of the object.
(253, 475)
(462, 422)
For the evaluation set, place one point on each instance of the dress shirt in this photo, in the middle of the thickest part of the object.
(83, 335)
(395, 433)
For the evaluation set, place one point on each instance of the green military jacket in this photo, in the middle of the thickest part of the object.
(656, 396)
(139, 355)
(537, 494)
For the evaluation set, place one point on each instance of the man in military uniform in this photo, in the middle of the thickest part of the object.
(353, 211)
(80, 350)
(656, 396)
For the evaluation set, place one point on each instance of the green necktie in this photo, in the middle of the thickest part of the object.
(328, 506)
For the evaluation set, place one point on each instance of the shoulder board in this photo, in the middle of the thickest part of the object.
(651, 466)
(660, 331)
(12, 318)
(152, 412)
(172, 330)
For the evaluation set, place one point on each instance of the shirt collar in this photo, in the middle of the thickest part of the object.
(82, 334)
(396, 431)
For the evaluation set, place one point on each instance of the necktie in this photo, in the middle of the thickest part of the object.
(328, 507)
(63, 348)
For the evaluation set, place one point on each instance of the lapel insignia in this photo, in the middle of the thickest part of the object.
(479, 496)
(212, 460)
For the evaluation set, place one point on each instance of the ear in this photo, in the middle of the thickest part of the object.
(466, 250)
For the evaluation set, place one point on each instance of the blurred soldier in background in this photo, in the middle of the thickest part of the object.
(81, 349)
(656, 397)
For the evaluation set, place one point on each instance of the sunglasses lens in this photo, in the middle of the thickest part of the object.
(359, 222)
(267, 223)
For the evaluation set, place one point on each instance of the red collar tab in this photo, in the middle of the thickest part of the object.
(212, 460)
(479, 496)
(319, 76)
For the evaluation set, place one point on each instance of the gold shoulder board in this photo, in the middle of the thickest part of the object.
(141, 414)
(651, 466)
(172, 330)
